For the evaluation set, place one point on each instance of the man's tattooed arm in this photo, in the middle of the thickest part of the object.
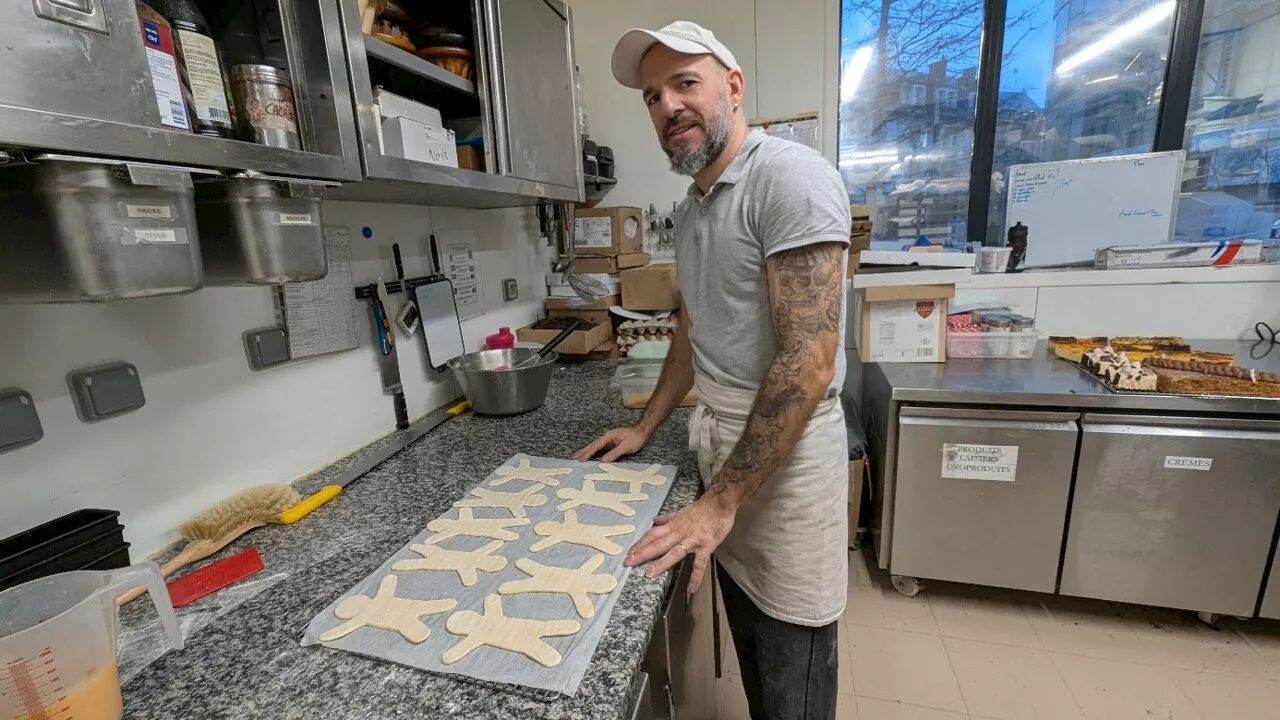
(805, 294)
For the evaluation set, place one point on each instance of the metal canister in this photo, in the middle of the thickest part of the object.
(264, 106)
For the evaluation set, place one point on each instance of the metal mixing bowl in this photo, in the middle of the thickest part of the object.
(503, 392)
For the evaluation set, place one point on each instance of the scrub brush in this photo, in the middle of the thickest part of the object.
(217, 527)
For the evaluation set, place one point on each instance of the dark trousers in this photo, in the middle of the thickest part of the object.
(789, 671)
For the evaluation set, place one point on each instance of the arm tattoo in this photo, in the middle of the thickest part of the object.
(806, 288)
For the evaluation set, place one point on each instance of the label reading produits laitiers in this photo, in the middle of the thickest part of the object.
(205, 76)
(149, 211)
(295, 219)
(963, 461)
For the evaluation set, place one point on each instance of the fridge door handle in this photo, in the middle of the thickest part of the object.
(84, 14)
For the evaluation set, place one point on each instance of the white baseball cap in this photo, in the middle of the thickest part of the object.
(681, 36)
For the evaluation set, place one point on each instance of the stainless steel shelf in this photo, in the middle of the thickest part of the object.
(396, 180)
(411, 63)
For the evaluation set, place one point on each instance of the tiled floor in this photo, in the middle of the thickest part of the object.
(958, 651)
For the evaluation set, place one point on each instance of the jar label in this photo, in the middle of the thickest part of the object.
(158, 44)
(209, 95)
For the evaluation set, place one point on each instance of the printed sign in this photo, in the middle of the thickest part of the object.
(295, 219)
(149, 211)
(979, 462)
(593, 232)
(1177, 462)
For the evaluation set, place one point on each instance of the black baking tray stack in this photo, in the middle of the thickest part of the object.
(82, 540)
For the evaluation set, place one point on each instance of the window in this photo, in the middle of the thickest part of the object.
(907, 89)
(1231, 185)
(1078, 79)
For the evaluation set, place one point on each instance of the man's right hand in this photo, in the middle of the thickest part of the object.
(619, 443)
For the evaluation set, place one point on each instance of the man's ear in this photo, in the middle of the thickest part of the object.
(737, 86)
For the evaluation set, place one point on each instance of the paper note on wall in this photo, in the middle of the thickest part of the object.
(801, 128)
(320, 315)
(458, 255)
(962, 461)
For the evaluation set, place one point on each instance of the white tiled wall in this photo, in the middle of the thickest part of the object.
(211, 426)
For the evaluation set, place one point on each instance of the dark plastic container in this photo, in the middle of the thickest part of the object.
(75, 541)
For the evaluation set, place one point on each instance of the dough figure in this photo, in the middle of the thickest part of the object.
(546, 476)
(494, 629)
(589, 495)
(468, 565)
(470, 526)
(572, 531)
(574, 582)
(513, 502)
(387, 612)
(636, 479)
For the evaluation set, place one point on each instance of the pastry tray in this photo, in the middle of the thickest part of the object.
(488, 666)
(1120, 391)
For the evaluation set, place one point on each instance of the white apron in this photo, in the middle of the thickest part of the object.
(788, 549)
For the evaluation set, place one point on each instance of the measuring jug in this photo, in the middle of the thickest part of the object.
(58, 643)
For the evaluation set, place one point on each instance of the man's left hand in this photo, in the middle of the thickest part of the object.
(695, 530)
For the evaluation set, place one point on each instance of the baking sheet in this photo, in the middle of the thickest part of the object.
(492, 664)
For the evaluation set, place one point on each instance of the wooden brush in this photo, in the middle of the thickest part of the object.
(217, 527)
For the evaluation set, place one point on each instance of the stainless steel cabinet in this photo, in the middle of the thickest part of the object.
(76, 79)
(1173, 511)
(534, 91)
(981, 495)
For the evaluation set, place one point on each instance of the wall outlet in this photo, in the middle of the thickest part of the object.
(510, 289)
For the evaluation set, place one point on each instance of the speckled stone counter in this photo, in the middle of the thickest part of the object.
(248, 663)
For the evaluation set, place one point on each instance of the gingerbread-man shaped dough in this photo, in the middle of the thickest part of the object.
(574, 582)
(635, 479)
(387, 612)
(513, 502)
(470, 526)
(468, 565)
(525, 471)
(495, 629)
(589, 495)
(572, 531)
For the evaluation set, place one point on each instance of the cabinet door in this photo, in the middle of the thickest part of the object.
(981, 495)
(81, 58)
(1175, 512)
(535, 102)
(1271, 596)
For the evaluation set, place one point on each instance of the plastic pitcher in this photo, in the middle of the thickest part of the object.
(58, 643)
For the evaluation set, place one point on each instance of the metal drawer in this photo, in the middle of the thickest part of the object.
(981, 495)
(1173, 511)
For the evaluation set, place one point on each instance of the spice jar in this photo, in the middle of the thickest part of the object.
(264, 105)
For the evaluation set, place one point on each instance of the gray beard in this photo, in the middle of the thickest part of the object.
(689, 160)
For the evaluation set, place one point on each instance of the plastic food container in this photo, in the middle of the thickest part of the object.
(638, 379)
(1019, 345)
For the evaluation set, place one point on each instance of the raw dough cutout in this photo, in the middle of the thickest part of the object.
(513, 502)
(470, 526)
(546, 476)
(589, 495)
(387, 612)
(468, 565)
(572, 531)
(574, 582)
(521, 635)
(636, 479)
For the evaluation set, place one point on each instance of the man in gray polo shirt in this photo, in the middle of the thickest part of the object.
(761, 244)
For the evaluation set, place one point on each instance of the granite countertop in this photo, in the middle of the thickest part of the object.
(242, 658)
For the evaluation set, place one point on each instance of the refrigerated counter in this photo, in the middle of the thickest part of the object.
(1028, 474)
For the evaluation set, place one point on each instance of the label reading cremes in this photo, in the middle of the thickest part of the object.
(1178, 462)
(979, 462)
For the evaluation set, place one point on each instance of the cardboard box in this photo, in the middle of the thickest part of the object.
(391, 105)
(603, 303)
(599, 317)
(579, 342)
(903, 323)
(857, 243)
(652, 287)
(608, 231)
(610, 264)
(1189, 254)
(856, 469)
(470, 158)
(411, 140)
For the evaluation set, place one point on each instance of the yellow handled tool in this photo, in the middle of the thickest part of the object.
(304, 508)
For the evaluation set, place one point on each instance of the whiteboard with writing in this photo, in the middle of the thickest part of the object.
(1073, 207)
